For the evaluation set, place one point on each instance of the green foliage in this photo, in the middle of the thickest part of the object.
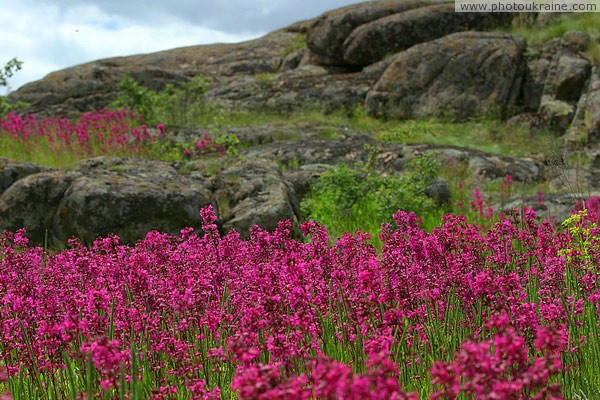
(585, 238)
(137, 98)
(298, 43)
(345, 199)
(9, 70)
(167, 150)
(180, 106)
(6, 107)
(536, 33)
(219, 144)
(266, 77)
(174, 105)
(230, 141)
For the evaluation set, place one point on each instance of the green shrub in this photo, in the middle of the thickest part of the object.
(345, 199)
(137, 98)
(8, 71)
(174, 105)
(6, 107)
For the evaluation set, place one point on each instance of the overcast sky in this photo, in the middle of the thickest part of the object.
(50, 35)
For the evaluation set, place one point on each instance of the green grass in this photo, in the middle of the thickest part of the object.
(298, 43)
(492, 136)
(584, 22)
(44, 154)
(489, 135)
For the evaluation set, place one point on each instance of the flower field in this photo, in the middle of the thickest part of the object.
(60, 141)
(507, 312)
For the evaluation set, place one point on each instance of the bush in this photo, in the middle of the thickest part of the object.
(345, 199)
(174, 105)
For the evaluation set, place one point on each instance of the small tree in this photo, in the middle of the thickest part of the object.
(9, 70)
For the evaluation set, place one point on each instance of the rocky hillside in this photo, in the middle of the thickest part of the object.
(397, 59)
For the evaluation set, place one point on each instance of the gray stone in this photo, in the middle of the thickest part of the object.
(556, 114)
(253, 193)
(11, 171)
(556, 207)
(459, 76)
(32, 202)
(373, 41)
(127, 197)
(94, 85)
(576, 40)
(327, 35)
(304, 177)
(572, 75)
(439, 191)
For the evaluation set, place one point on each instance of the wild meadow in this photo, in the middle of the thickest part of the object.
(478, 304)
(507, 312)
(61, 141)
(465, 303)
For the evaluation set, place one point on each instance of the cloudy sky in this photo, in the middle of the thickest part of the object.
(49, 35)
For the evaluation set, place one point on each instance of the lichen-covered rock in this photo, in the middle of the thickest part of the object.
(94, 85)
(11, 171)
(390, 157)
(458, 76)
(364, 33)
(586, 123)
(327, 35)
(32, 202)
(572, 73)
(306, 87)
(556, 77)
(373, 41)
(576, 40)
(556, 114)
(556, 207)
(127, 197)
(293, 60)
(439, 191)
(253, 193)
(303, 177)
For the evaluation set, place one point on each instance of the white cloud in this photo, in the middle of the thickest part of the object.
(47, 39)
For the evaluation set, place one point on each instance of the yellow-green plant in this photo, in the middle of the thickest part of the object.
(585, 236)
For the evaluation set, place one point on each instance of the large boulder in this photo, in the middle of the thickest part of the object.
(327, 35)
(375, 40)
(11, 171)
(253, 193)
(307, 87)
(556, 77)
(32, 202)
(128, 197)
(556, 207)
(458, 76)
(364, 33)
(586, 123)
(94, 85)
(303, 163)
(573, 72)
